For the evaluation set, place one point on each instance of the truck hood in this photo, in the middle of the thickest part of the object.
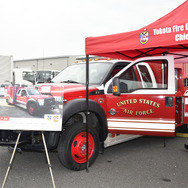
(66, 89)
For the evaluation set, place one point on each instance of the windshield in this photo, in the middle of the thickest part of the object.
(33, 92)
(77, 73)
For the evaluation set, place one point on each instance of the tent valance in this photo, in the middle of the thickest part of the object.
(168, 34)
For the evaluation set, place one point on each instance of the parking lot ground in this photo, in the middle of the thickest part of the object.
(140, 163)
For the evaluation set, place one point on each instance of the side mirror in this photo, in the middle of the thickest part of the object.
(116, 86)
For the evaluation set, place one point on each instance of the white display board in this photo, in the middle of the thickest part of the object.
(31, 111)
(50, 122)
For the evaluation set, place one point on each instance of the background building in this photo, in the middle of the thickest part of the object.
(48, 63)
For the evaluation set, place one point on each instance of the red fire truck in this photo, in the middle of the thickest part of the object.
(29, 99)
(126, 99)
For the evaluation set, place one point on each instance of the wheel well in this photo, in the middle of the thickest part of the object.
(93, 121)
(75, 111)
(30, 102)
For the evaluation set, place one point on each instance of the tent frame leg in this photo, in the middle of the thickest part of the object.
(87, 111)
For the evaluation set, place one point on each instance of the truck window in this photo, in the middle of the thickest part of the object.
(144, 75)
(128, 80)
(23, 93)
(178, 79)
(18, 92)
(29, 76)
(186, 82)
(115, 70)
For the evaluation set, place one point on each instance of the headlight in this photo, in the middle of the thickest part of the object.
(41, 102)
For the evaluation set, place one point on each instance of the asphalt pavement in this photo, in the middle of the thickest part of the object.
(140, 163)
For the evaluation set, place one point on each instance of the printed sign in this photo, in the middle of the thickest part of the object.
(179, 31)
(25, 108)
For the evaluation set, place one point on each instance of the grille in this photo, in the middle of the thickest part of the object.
(49, 101)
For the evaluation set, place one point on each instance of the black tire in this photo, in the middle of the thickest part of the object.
(70, 152)
(7, 101)
(32, 109)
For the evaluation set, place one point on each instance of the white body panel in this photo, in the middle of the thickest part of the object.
(117, 139)
(18, 76)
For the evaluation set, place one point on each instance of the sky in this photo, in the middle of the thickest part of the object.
(49, 28)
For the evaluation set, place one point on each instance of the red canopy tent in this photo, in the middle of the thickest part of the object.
(168, 34)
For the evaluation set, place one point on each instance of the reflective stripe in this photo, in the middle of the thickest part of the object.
(141, 125)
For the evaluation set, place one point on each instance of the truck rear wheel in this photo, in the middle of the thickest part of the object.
(72, 146)
(32, 109)
(7, 101)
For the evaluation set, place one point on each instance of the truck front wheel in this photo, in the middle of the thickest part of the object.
(72, 146)
(32, 109)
